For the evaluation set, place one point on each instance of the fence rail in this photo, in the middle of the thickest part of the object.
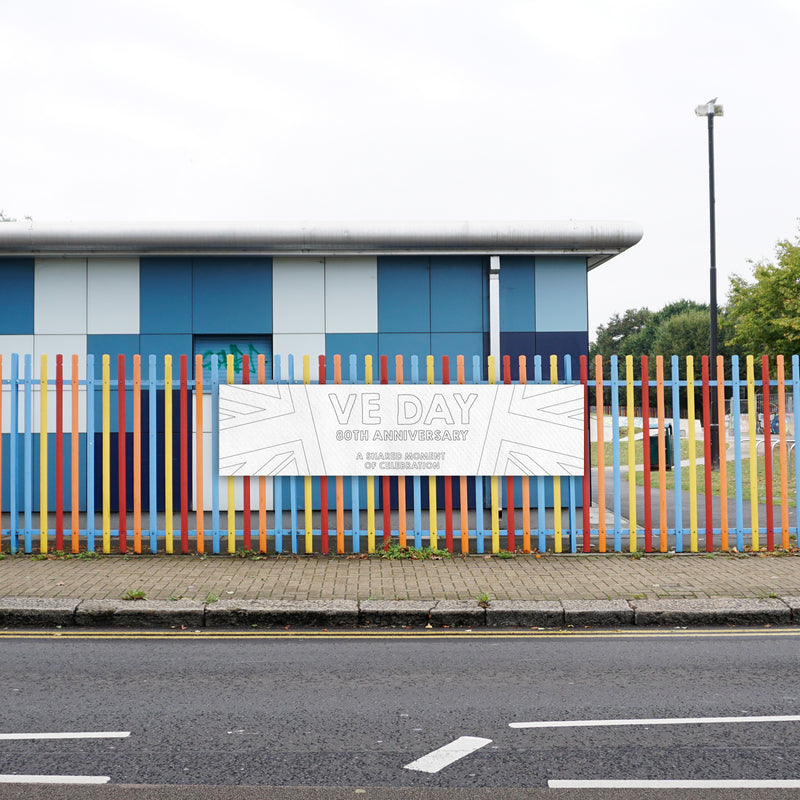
(126, 463)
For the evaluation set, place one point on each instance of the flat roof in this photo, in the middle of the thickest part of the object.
(597, 240)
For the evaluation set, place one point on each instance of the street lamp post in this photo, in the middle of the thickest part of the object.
(711, 110)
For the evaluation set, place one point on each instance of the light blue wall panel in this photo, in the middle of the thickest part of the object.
(360, 344)
(112, 295)
(16, 289)
(561, 294)
(458, 293)
(232, 295)
(404, 294)
(517, 292)
(165, 295)
(298, 295)
(454, 345)
(351, 294)
(59, 303)
(298, 345)
(406, 345)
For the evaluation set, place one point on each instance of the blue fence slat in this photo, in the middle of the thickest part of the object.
(796, 411)
(614, 385)
(90, 487)
(676, 453)
(152, 440)
(28, 434)
(571, 480)
(355, 512)
(215, 531)
(736, 413)
(417, 483)
(14, 453)
(277, 493)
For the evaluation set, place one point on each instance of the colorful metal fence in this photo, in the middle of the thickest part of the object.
(147, 448)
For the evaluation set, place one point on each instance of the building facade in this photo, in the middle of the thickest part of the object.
(517, 288)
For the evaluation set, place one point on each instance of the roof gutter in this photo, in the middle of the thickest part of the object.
(597, 240)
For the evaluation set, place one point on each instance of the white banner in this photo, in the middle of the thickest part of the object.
(312, 429)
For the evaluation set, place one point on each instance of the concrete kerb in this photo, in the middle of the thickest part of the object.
(34, 612)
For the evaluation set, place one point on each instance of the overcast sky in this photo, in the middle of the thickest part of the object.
(415, 109)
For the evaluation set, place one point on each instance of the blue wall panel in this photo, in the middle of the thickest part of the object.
(517, 292)
(404, 294)
(343, 344)
(162, 344)
(454, 345)
(51, 476)
(165, 295)
(458, 293)
(16, 289)
(406, 345)
(232, 295)
(561, 294)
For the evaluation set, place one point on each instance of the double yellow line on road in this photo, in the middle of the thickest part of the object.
(399, 634)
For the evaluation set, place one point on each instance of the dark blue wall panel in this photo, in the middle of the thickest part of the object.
(232, 295)
(16, 289)
(516, 344)
(561, 343)
(165, 295)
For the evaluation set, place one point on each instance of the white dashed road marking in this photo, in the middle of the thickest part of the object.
(444, 756)
(67, 735)
(592, 723)
(674, 784)
(54, 778)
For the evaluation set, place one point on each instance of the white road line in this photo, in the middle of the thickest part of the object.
(593, 723)
(54, 778)
(444, 756)
(675, 784)
(67, 735)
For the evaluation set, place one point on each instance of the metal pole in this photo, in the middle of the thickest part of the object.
(713, 287)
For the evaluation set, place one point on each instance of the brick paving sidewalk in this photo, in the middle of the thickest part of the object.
(592, 577)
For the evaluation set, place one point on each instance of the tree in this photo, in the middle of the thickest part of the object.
(683, 334)
(765, 314)
(623, 335)
(641, 332)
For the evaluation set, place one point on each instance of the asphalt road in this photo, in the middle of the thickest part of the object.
(339, 711)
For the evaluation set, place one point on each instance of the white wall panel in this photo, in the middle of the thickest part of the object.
(59, 300)
(210, 474)
(52, 345)
(298, 295)
(20, 345)
(113, 295)
(351, 294)
(299, 345)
